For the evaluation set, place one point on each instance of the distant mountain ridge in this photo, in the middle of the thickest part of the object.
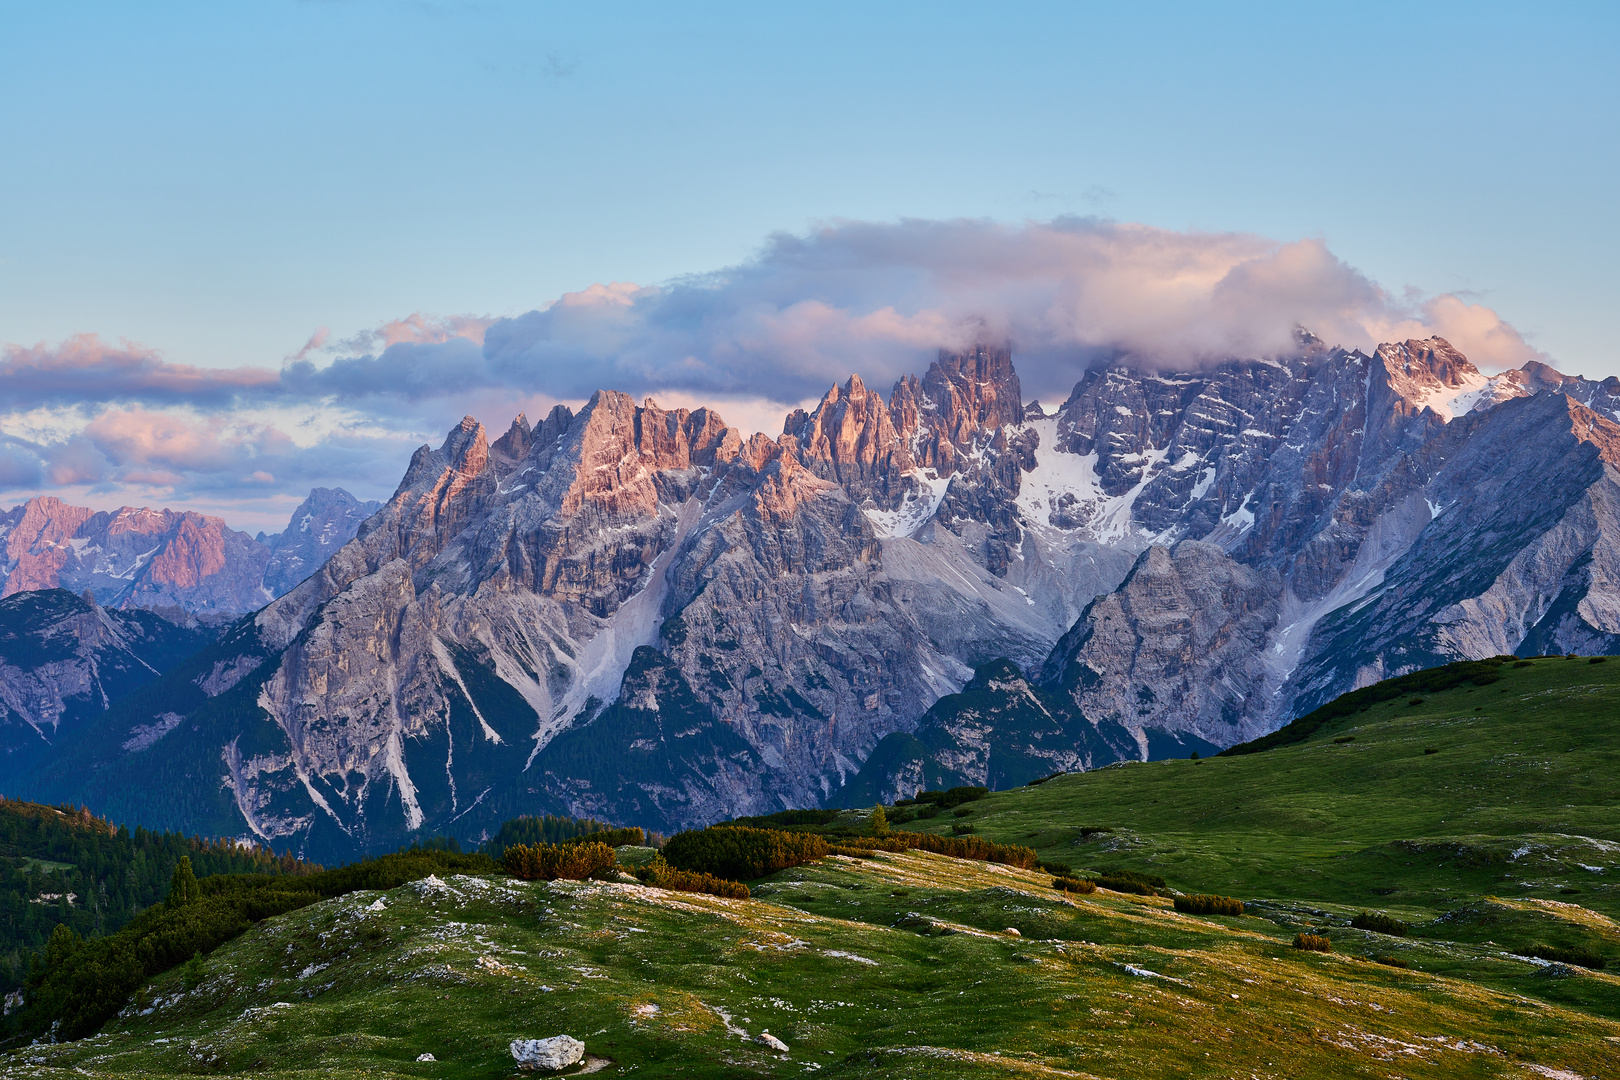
(138, 557)
(636, 614)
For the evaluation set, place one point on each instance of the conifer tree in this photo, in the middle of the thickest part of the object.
(183, 888)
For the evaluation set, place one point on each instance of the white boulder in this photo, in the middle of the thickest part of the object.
(557, 1052)
(772, 1042)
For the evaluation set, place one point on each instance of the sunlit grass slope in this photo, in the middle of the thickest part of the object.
(1510, 789)
(897, 966)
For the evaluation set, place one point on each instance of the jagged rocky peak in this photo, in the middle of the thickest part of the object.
(977, 390)
(322, 524)
(1432, 374)
(132, 557)
(514, 445)
(850, 439)
(612, 456)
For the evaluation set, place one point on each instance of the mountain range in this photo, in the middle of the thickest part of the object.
(640, 615)
(135, 557)
(153, 587)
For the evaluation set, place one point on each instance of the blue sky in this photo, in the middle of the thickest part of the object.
(218, 182)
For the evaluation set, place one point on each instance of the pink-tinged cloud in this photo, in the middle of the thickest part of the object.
(751, 340)
(139, 436)
(86, 369)
(880, 298)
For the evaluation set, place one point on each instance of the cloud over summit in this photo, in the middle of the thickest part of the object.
(804, 312)
(878, 299)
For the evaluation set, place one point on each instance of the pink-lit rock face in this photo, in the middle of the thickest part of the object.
(138, 557)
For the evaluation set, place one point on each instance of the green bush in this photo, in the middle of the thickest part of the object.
(661, 875)
(741, 853)
(1379, 923)
(1585, 958)
(1313, 942)
(548, 862)
(1074, 884)
(786, 818)
(1391, 961)
(956, 796)
(964, 812)
(1129, 881)
(554, 829)
(1056, 869)
(956, 847)
(962, 828)
(1201, 904)
(632, 836)
(1039, 780)
(1342, 739)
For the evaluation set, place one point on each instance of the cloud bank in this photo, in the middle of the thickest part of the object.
(805, 312)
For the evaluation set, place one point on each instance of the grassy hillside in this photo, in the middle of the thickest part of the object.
(1501, 844)
(896, 966)
(1413, 803)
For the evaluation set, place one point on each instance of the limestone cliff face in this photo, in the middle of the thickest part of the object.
(635, 613)
(64, 659)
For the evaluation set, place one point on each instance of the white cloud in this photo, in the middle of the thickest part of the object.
(751, 340)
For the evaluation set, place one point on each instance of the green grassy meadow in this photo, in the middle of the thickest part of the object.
(1505, 839)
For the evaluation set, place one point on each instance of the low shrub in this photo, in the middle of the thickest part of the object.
(1585, 958)
(552, 829)
(632, 836)
(1056, 869)
(1391, 961)
(1074, 884)
(785, 818)
(1431, 749)
(964, 812)
(1313, 942)
(956, 847)
(661, 875)
(1415, 701)
(1597, 659)
(929, 810)
(741, 853)
(1208, 904)
(1088, 831)
(1039, 780)
(1523, 663)
(1129, 881)
(548, 862)
(962, 828)
(1379, 923)
(956, 796)
(1342, 739)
